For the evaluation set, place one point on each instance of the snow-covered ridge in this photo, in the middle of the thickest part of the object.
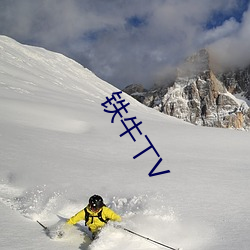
(34, 74)
(38, 66)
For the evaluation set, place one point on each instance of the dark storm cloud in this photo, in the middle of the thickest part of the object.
(129, 41)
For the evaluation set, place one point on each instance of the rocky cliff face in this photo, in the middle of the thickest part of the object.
(237, 81)
(199, 96)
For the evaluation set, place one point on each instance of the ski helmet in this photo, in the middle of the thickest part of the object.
(96, 202)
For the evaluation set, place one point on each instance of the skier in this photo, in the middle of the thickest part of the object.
(95, 214)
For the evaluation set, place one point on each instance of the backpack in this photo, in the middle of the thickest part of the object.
(88, 216)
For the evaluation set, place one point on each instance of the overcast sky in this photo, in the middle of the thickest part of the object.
(131, 41)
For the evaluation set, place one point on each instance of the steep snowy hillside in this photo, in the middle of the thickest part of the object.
(58, 147)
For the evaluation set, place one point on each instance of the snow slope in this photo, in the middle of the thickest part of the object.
(58, 147)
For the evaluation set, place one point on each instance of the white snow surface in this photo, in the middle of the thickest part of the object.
(58, 147)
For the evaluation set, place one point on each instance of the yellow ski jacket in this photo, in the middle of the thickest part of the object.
(94, 223)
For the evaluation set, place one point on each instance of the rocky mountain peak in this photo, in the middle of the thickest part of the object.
(200, 96)
(196, 64)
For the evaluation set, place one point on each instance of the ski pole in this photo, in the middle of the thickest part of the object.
(45, 228)
(146, 238)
